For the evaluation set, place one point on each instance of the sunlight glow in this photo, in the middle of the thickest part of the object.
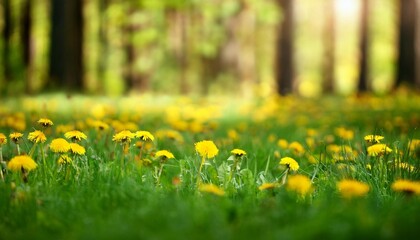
(347, 8)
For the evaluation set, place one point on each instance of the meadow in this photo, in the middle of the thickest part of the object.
(210, 168)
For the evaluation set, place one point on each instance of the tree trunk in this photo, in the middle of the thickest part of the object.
(364, 43)
(27, 43)
(7, 33)
(417, 61)
(135, 79)
(285, 66)
(406, 70)
(66, 49)
(329, 47)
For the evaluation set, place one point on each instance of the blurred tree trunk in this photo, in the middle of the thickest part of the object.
(406, 69)
(364, 44)
(418, 45)
(103, 42)
(135, 80)
(66, 47)
(7, 33)
(329, 47)
(27, 43)
(285, 66)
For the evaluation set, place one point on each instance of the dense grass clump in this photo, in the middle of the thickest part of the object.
(274, 168)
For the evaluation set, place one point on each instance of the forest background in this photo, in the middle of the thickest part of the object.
(242, 47)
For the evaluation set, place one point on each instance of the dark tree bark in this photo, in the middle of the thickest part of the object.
(7, 33)
(364, 44)
(406, 70)
(285, 66)
(135, 80)
(329, 47)
(418, 45)
(27, 43)
(66, 47)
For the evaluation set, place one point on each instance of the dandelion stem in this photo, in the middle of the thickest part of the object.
(284, 178)
(1, 164)
(203, 160)
(159, 174)
(234, 166)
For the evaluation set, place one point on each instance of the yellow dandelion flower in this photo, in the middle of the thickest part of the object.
(77, 149)
(64, 159)
(344, 133)
(296, 147)
(144, 135)
(414, 145)
(406, 186)
(37, 136)
(211, 188)
(283, 143)
(123, 136)
(3, 139)
(206, 148)
(373, 138)
(22, 162)
(352, 188)
(378, 149)
(45, 122)
(299, 183)
(164, 154)
(16, 136)
(100, 125)
(289, 163)
(75, 135)
(233, 134)
(59, 145)
(238, 152)
(266, 186)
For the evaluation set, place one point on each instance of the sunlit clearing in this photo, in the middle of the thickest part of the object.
(347, 8)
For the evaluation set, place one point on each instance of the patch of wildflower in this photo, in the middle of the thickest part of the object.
(124, 136)
(75, 135)
(3, 139)
(77, 149)
(300, 184)
(352, 188)
(373, 139)
(296, 148)
(406, 186)
(290, 163)
(15, 136)
(59, 145)
(266, 186)
(22, 162)
(378, 149)
(206, 149)
(37, 137)
(211, 188)
(45, 122)
(164, 154)
(238, 152)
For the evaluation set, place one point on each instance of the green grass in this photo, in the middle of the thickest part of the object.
(100, 197)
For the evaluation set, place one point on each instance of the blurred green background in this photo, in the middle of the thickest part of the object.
(115, 47)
